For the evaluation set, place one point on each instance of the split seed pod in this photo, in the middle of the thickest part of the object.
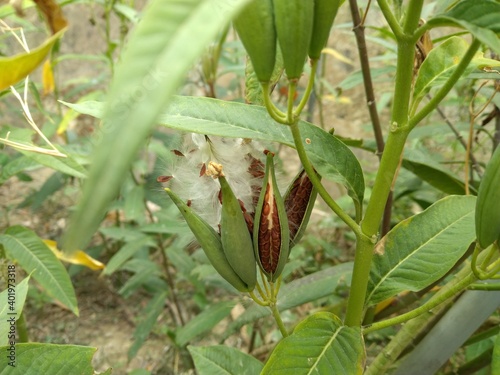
(236, 239)
(299, 203)
(271, 235)
(211, 244)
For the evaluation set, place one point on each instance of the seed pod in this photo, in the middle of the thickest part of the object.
(271, 235)
(236, 239)
(488, 203)
(255, 26)
(294, 25)
(211, 244)
(299, 202)
(324, 14)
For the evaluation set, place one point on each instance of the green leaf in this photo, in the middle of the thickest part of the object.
(422, 164)
(421, 249)
(126, 252)
(149, 316)
(15, 166)
(15, 68)
(11, 308)
(35, 200)
(27, 249)
(495, 363)
(134, 203)
(441, 62)
(331, 157)
(319, 345)
(67, 165)
(163, 47)
(298, 292)
(36, 359)
(203, 322)
(223, 360)
(480, 17)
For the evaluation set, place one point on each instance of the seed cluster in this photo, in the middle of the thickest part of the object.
(269, 233)
(297, 201)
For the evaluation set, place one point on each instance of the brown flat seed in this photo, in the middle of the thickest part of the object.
(163, 179)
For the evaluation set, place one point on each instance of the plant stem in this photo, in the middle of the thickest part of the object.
(309, 88)
(317, 182)
(433, 302)
(22, 329)
(274, 112)
(277, 317)
(388, 168)
(391, 20)
(448, 85)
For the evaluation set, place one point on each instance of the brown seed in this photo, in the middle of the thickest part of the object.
(297, 201)
(177, 152)
(163, 179)
(269, 233)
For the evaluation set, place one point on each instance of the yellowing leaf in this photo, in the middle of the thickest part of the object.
(15, 68)
(337, 55)
(78, 257)
(47, 78)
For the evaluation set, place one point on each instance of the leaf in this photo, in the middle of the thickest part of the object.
(307, 289)
(421, 249)
(423, 166)
(320, 344)
(15, 68)
(480, 17)
(331, 158)
(150, 314)
(11, 308)
(36, 359)
(35, 200)
(67, 165)
(441, 62)
(223, 360)
(27, 249)
(77, 257)
(161, 50)
(203, 322)
(126, 252)
(495, 363)
(134, 203)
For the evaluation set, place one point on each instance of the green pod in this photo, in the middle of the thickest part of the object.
(294, 26)
(324, 14)
(255, 26)
(271, 235)
(488, 203)
(211, 244)
(299, 202)
(236, 239)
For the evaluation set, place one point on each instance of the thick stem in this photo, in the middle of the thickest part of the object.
(387, 171)
(390, 18)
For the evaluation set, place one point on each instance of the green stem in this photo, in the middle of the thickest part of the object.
(279, 321)
(484, 286)
(309, 88)
(315, 180)
(391, 20)
(292, 88)
(257, 300)
(448, 85)
(437, 300)
(387, 171)
(274, 112)
(411, 20)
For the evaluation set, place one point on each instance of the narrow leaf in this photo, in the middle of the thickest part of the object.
(422, 248)
(27, 249)
(480, 17)
(15, 68)
(168, 40)
(150, 315)
(223, 360)
(331, 157)
(319, 345)
(441, 62)
(36, 359)
(203, 322)
(11, 308)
